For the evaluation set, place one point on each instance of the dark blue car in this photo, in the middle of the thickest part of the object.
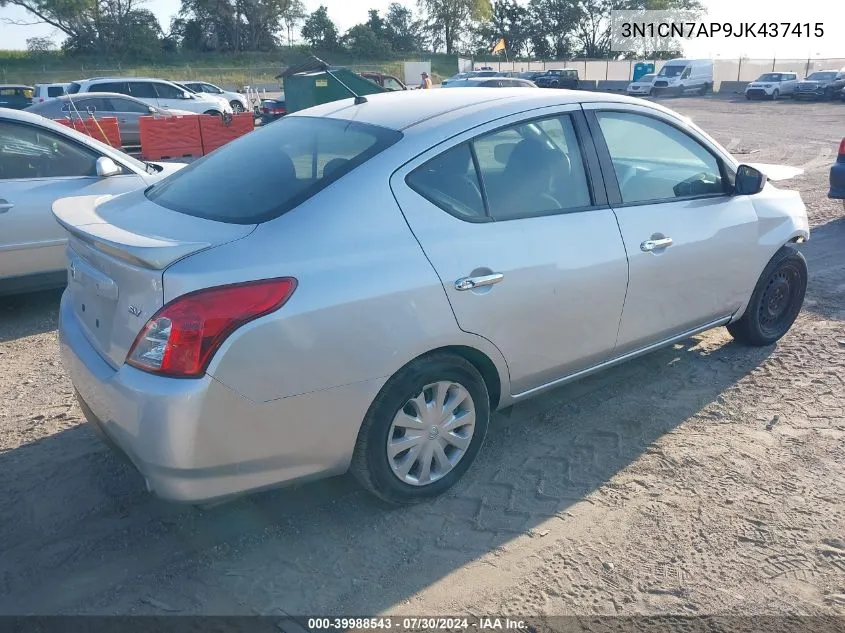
(837, 176)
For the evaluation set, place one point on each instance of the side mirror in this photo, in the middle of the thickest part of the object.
(748, 181)
(152, 110)
(187, 95)
(107, 167)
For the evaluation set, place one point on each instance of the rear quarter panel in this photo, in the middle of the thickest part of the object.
(367, 301)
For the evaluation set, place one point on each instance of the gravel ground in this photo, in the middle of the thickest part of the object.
(705, 478)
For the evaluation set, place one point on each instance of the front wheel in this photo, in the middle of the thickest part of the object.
(237, 107)
(775, 95)
(213, 112)
(776, 300)
(423, 430)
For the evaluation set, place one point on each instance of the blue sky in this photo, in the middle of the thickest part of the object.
(346, 13)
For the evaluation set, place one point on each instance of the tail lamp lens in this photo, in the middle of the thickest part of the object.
(183, 336)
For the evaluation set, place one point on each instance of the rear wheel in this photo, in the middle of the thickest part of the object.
(776, 300)
(423, 430)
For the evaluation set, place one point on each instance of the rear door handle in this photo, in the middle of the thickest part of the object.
(5, 205)
(469, 283)
(655, 245)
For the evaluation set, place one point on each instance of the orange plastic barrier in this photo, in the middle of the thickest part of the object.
(171, 137)
(216, 131)
(106, 129)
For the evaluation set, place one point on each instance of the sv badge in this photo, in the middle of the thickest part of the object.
(135, 311)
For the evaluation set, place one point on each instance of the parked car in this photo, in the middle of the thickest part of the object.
(679, 76)
(641, 87)
(41, 161)
(456, 77)
(155, 92)
(558, 78)
(385, 81)
(127, 110)
(531, 75)
(837, 176)
(15, 97)
(376, 278)
(43, 92)
(772, 86)
(238, 101)
(492, 82)
(824, 84)
(512, 74)
(272, 109)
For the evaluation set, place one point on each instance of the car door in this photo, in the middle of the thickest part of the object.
(514, 221)
(169, 97)
(689, 240)
(37, 167)
(145, 91)
(128, 113)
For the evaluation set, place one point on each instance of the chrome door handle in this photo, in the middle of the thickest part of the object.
(5, 205)
(655, 245)
(468, 283)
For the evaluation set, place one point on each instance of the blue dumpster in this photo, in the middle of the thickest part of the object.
(642, 68)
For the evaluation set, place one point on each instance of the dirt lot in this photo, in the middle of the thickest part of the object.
(706, 478)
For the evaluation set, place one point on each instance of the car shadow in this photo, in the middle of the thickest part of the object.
(826, 284)
(82, 534)
(29, 314)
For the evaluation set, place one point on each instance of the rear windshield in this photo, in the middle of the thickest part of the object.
(55, 91)
(271, 170)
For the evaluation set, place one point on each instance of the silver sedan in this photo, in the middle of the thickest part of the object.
(357, 286)
(127, 110)
(40, 162)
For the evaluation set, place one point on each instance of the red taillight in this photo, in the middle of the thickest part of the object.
(842, 148)
(181, 338)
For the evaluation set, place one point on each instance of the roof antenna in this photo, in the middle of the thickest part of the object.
(358, 98)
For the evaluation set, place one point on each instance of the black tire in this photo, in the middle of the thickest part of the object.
(237, 106)
(213, 112)
(370, 464)
(704, 89)
(775, 94)
(775, 302)
(748, 96)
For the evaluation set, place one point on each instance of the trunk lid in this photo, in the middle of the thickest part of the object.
(118, 250)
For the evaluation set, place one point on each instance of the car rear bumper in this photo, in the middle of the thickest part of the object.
(196, 440)
(837, 181)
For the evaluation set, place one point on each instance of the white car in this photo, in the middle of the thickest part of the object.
(155, 92)
(40, 162)
(772, 86)
(641, 87)
(45, 92)
(238, 101)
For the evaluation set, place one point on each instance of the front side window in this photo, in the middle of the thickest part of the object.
(27, 151)
(530, 169)
(271, 170)
(142, 90)
(656, 161)
(392, 84)
(166, 91)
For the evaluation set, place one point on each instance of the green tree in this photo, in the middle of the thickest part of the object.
(39, 45)
(319, 30)
(556, 20)
(292, 16)
(404, 32)
(362, 42)
(447, 19)
(508, 20)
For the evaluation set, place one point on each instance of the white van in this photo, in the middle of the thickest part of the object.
(680, 76)
(43, 92)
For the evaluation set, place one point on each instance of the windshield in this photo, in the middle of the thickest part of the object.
(769, 77)
(646, 78)
(822, 76)
(264, 174)
(671, 71)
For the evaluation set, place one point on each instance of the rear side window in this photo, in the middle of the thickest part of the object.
(142, 90)
(166, 91)
(272, 170)
(55, 91)
(110, 86)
